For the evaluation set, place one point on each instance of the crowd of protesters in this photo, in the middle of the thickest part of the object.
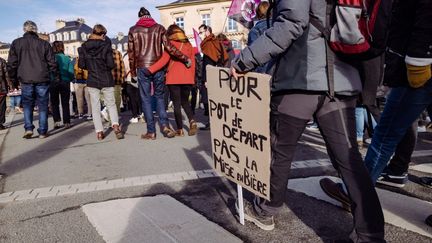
(309, 83)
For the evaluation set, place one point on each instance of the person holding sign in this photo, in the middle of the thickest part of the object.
(179, 86)
(300, 92)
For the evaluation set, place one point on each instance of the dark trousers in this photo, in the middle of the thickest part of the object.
(180, 97)
(2, 109)
(134, 100)
(60, 91)
(194, 94)
(289, 116)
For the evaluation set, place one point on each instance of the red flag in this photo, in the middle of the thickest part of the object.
(243, 11)
(197, 40)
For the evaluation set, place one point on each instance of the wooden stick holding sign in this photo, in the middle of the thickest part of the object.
(240, 129)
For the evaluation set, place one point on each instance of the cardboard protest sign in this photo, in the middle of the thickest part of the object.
(240, 128)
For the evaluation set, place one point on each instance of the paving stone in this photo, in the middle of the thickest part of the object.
(153, 219)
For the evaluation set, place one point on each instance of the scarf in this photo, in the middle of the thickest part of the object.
(178, 36)
(146, 21)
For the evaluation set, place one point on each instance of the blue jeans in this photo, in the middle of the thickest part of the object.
(362, 118)
(403, 107)
(159, 92)
(35, 94)
(15, 101)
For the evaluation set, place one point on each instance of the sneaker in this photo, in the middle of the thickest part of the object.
(426, 181)
(67, 125)
(57, 125)
(104, 113)
(206, 127)
(336, 191)
(28, 134)
(368, 141)
(262, 220)
(421, 129)
(141, 117)
(391, 179)
(134, 120)
(80, 116)
(42, 136)
(89, 118)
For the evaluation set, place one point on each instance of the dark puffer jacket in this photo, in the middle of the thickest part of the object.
(31, 60)
(96, 56)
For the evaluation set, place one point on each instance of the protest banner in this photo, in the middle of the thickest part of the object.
(240, 128)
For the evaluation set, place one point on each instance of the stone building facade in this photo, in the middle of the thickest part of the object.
(190, 14)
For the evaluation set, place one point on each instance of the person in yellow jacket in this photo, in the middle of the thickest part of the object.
(81, 91)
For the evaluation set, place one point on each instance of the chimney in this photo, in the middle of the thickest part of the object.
(60, 23)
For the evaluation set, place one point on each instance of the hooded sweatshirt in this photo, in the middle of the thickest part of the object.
(96, 56)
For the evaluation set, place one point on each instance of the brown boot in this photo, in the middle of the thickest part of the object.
(179, 133)
(149, 136)
(193, 128)
(118, 132)
(168, 132)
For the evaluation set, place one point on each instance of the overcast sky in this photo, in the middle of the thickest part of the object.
(116, 15)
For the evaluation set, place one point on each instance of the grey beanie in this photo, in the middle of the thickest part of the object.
(30, 26)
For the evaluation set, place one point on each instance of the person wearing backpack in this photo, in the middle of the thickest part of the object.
(213, 54)
(306, 84)
(61, 91)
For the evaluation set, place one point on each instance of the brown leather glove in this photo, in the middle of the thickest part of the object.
(418, 76)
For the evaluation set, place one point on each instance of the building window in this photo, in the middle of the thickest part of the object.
(119, 47)
(73, 35)
(180, 22)
(232, 25)
(84, 36)
(59, 37)
(52, 38)
(236, 44)
(65, 36)
(206, 19)
(125, 46)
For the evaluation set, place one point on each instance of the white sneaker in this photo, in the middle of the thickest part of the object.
(105, 114)
(134, 120)
(421, 129)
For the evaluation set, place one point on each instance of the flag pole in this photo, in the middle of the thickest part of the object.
(240, 204)
(223, 28)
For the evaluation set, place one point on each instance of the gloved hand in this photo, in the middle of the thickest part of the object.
(418, 76)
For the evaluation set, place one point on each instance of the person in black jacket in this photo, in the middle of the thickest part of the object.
(32, 63)
(408, 71)
(4, 88)
(96, 56)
